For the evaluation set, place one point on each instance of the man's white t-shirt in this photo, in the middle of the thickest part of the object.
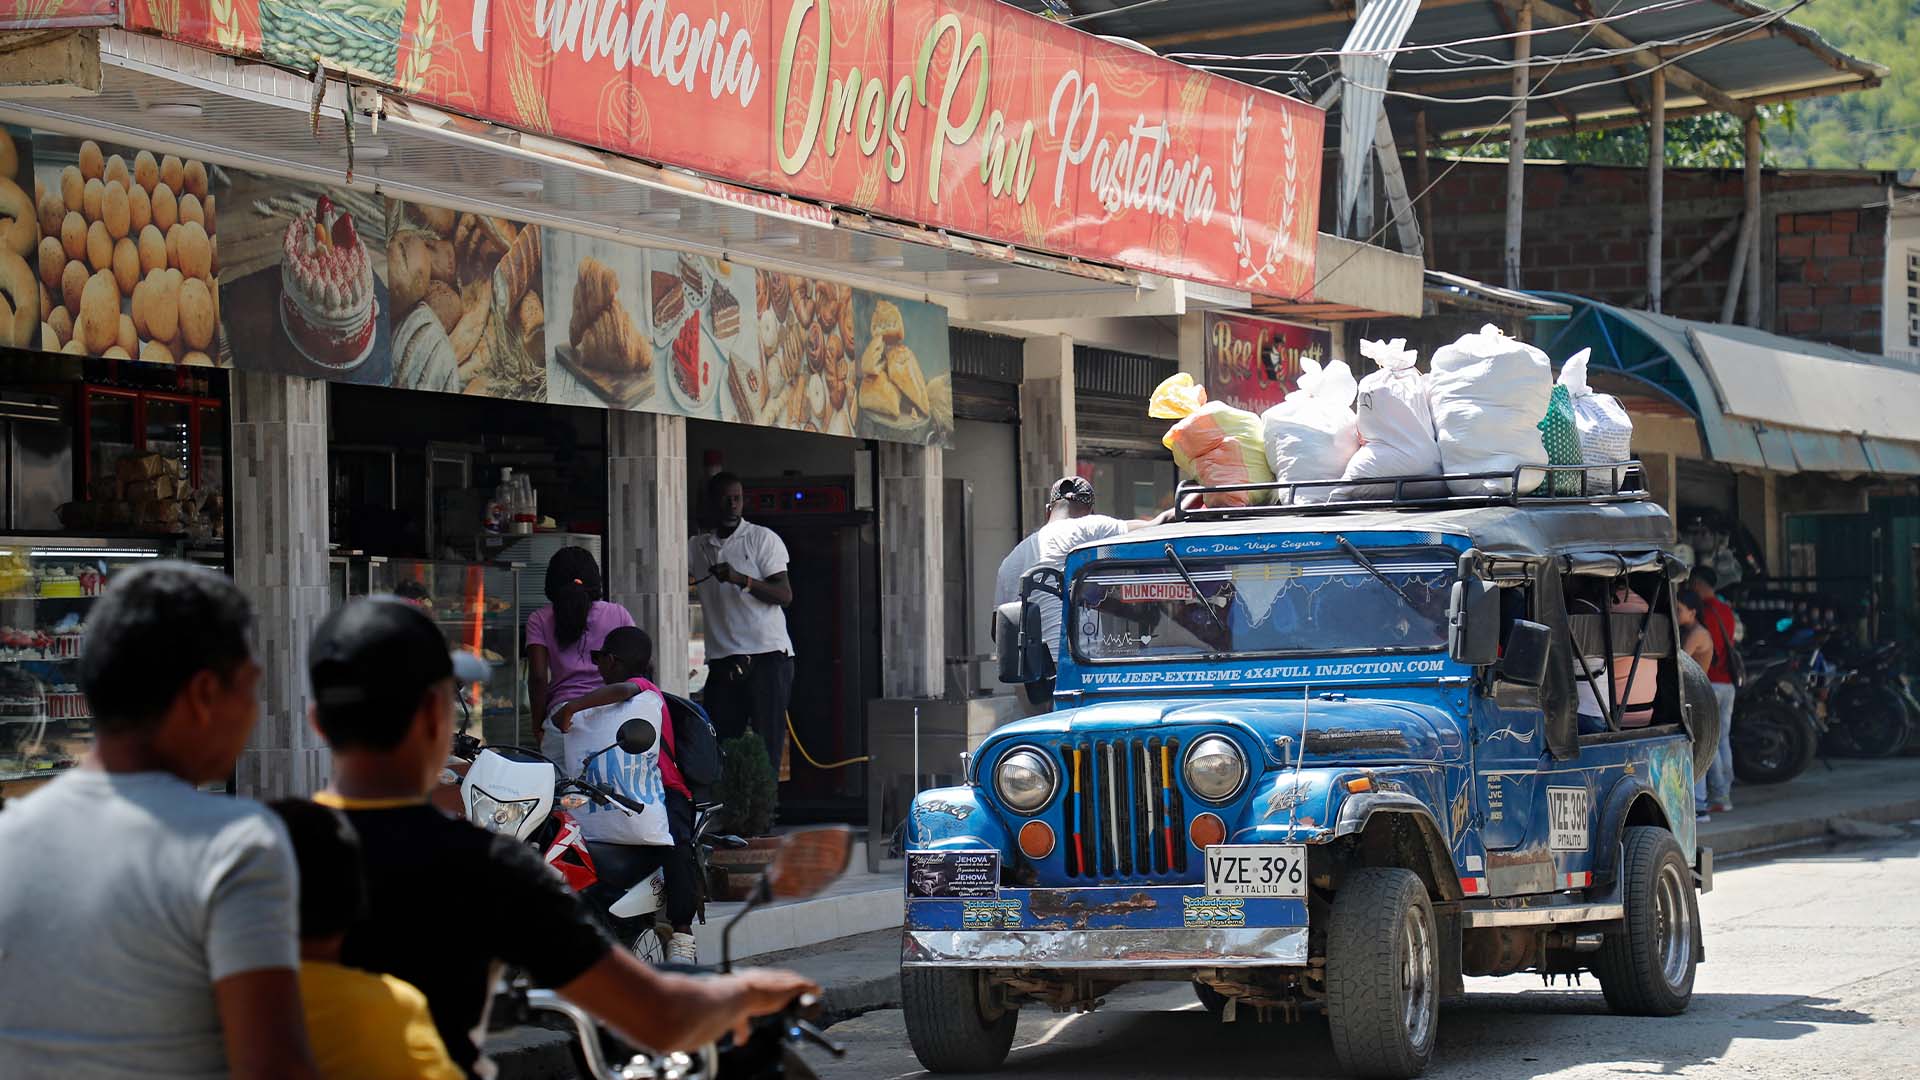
(1049, 547)
(737, 623)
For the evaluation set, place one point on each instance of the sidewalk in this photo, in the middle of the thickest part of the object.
(1809, 806)
(859, 965)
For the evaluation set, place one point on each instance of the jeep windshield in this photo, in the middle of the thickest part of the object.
(1264, 606)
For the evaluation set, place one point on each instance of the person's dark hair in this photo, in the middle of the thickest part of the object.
(633, 647)
(573, 584)
(1687, 600)
(157, 627)
(1705, 574)
(333, 884)
(718, 483)
(411, 590)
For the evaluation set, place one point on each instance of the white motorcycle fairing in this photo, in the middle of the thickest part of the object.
(645, 898)
(508, 795)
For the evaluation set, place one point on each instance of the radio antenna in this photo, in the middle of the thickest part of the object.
(1299, 759)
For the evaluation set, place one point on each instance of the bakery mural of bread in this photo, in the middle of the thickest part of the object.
(125, 261)
(481, 278)
(600, 331)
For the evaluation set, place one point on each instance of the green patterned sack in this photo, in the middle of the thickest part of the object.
(1561, 437)
(362, 36)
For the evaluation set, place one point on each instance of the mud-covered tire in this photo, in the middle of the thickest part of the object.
(1383, 974)
(1703, 712)
(1648, 968)
(947, 1022)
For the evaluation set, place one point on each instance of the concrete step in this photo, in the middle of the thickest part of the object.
(856, 904)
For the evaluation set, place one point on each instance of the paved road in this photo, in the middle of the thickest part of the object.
(1813, 971)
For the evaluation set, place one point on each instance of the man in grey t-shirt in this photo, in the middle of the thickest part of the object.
(148, 928)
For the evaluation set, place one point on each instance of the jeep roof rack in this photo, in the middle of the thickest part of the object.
(1628, 479)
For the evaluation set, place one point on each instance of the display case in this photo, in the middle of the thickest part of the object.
(352, 576)
(477, 606)
(48, 585)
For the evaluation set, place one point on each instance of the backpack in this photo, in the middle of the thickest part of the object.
(696, 749)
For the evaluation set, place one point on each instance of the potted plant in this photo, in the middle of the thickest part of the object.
(749, 791)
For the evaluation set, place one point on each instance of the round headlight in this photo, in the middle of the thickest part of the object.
(1025, 780)
(1215, 768)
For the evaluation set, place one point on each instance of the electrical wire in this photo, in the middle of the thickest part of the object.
(1589, 24)
(1112, 11)
(802, 747)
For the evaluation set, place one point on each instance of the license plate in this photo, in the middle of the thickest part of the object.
(1257, 870)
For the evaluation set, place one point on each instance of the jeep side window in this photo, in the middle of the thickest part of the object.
(1624, 653)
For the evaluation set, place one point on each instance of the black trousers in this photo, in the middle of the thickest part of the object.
(751, 692)
(622, 866)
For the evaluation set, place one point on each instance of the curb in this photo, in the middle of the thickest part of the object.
(1746, 839)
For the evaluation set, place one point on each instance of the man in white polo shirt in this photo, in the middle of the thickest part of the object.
(741, 571)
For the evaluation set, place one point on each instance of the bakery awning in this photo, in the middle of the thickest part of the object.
(1763, 401)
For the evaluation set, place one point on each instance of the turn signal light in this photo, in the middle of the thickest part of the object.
(1036, 840)
(1207, 830)
(1359, 784)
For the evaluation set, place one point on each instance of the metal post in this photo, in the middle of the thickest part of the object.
(1422, 174)
(1753, 210)
(1656, 189)
(917, 789)
(1517, 138)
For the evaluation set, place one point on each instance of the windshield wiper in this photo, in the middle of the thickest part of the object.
(1226, 635)
(1366, 564)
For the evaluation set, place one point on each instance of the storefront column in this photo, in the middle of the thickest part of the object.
(1760, 513)
(646, 551)
(912, 554)
(1193, 345)
(1049, 443)
(279, 502)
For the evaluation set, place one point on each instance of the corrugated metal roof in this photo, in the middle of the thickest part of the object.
(1740, 48)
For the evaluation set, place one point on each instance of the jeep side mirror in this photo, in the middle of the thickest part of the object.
(1473, 623)
(1020, 642)
(636, 736)
(1529, 647)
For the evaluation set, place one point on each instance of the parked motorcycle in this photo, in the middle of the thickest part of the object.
(1867, 715)
(519, 791)
(1776, 725)
(807, 862)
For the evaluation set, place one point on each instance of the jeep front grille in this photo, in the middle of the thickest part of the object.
(1123, 815)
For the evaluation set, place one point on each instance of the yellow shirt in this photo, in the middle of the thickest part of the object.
(370, 1027)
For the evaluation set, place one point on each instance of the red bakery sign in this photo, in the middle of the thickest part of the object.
(969, 115)
(1253, 363)
(43, 14)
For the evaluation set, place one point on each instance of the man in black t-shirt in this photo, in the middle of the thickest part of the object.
(449, 902)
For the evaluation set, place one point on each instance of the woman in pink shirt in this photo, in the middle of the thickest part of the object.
(562, 638)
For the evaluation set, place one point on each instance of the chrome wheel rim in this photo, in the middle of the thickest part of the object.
(1416, 975)
(1673, 926)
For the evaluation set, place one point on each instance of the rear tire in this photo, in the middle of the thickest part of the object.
(1771, 745)
(1383, 974)
(1648, 969)
(1868, 721)
(948, 1021)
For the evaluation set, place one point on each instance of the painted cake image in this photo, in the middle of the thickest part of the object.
(326, 287)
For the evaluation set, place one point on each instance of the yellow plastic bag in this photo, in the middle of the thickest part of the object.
(1214, 443)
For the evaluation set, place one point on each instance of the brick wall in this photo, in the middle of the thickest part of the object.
(1830, 270)
(1586, 229)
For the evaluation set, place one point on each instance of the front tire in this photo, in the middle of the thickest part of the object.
(1772, 746)
(1383, 974)
(1869, 722)
(1648, 969)
(951, 1023)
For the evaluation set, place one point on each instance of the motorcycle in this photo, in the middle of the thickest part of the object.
(806, 863)
(1867, 715)
(519, 791)
(1776, 725)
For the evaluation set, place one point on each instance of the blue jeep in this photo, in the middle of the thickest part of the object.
(1338, 755)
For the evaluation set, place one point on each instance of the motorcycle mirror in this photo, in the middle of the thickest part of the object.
(636, 736)
(808, 861)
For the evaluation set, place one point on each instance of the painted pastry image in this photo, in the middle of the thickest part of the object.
(605, 348)
(126, 246)
(893, 388)
(480, 277)
(326, 287)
